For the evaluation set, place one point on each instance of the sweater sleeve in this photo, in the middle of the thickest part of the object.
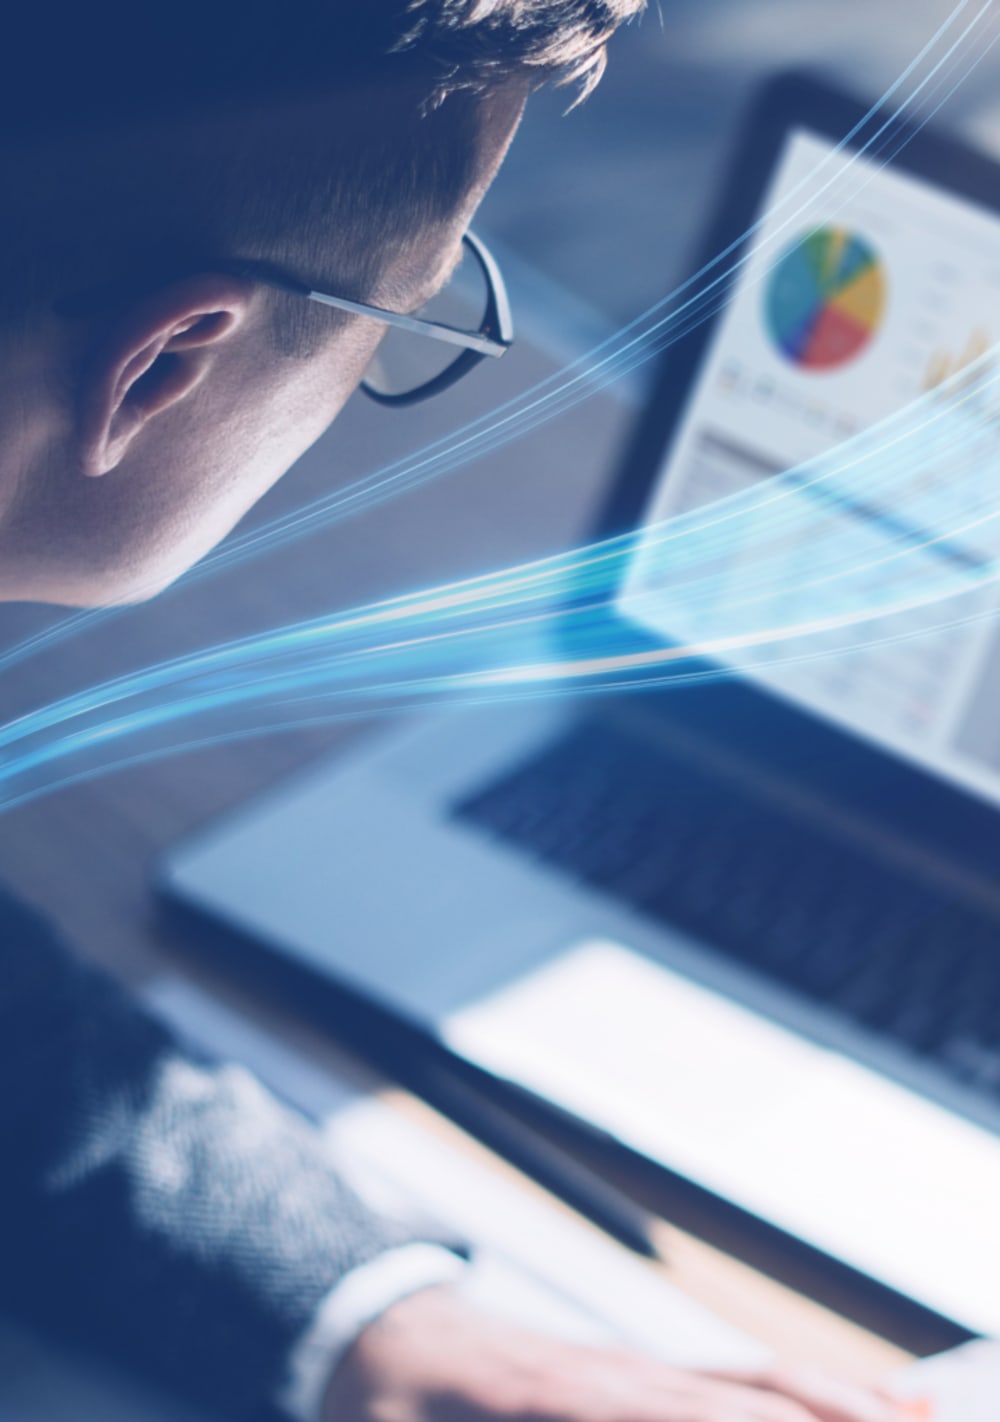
(165, 1213)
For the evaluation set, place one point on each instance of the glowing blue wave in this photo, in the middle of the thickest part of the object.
(895, 534)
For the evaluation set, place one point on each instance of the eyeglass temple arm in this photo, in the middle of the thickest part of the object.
(467, 340)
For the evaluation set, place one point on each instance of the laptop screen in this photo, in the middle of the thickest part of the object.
(863, 289)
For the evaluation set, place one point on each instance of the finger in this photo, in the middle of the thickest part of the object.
(914, 1409)
(695, 1397)
(734, 1403)
(664, 1394)
(828, 1399)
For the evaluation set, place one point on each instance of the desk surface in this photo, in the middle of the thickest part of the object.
(85, 852)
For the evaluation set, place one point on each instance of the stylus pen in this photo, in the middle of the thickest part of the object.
(542, 1109)
(527, 1149)
(542, 1114)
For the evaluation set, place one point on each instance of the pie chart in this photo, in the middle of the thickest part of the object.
(826, 298)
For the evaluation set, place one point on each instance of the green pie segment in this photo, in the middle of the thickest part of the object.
(826, 299)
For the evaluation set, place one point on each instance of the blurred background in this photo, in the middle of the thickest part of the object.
(607, 201)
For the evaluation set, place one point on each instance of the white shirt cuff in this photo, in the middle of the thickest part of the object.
(348, 1308)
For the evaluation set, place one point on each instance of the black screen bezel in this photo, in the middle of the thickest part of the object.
(884, 788)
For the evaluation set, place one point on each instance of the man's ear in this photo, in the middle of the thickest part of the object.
(152, 359)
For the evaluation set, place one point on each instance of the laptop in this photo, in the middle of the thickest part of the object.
(750, 928)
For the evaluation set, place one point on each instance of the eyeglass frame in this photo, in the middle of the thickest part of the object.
(493, 339)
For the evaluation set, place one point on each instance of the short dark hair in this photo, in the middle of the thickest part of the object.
(476, 45)
(425, 68)
(67, 60)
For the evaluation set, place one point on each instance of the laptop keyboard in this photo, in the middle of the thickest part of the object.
(763, 888)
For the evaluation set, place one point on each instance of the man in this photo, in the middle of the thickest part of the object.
(176, 182)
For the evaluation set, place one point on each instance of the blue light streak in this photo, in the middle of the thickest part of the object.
(795, 567)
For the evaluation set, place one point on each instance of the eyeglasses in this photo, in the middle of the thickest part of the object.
(466, 322)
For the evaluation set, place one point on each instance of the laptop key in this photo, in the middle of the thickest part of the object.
(973, 1062)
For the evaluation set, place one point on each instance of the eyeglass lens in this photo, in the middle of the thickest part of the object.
(404, 360)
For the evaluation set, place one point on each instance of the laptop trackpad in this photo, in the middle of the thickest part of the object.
(801, 1136)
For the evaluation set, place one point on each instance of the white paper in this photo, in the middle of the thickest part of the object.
(833, 1153)
(960, 1386)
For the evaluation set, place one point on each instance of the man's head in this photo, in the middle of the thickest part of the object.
(150, 395)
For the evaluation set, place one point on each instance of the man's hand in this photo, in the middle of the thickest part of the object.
(434, 1358)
